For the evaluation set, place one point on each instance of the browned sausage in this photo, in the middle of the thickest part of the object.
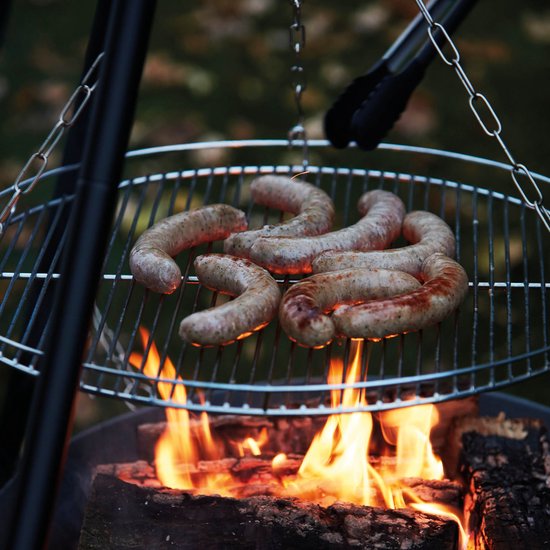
(304, 309)
(151, 258)
(257, 301)
(314, 209)
(445, 286)
(382, 213)
(428, 233)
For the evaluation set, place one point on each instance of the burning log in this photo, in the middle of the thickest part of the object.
(123, 515)
(439, 491)
(506, 464)
(293, 435)
(286, 435)
(211, 457)
(254, 476)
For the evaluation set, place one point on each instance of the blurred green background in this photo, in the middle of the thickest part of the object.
(220, 69)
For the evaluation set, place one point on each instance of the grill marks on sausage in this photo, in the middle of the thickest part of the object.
(382, 213)
(427, 232)
(445, 286)
(313, 208)
(256, 304)
(304, 309)
(151, 258)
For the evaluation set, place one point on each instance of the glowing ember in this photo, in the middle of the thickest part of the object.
(253, 445)
(278, 461)
(336, 466)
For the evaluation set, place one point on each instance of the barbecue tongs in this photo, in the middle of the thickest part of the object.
(372, 103)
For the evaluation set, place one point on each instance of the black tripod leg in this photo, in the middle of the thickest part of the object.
(5, 9)
(14, 410)
(51, 416)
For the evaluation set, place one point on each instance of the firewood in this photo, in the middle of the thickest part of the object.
(230, 427)
(254, 476)
(505, 464)
(440, 491)
(127, 516)
(292, 434)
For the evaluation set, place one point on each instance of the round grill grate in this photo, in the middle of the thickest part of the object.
(498, 337)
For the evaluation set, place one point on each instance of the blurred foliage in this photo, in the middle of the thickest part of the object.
(221, 69)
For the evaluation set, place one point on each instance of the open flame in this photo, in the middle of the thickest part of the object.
(337, 462)
(336, 466)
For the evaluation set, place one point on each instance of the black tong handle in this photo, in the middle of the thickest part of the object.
(372, 103)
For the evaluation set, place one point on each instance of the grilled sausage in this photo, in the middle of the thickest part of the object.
(382, 213)
(257, 301)
(304, 309)
(314, 209)
(151, 258)
(445, 286)
(427, 232)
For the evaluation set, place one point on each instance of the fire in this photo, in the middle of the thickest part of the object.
(253, 445)
(182, 445)
(410, 434)
(171, 449)
(337, 465)
(337, 462)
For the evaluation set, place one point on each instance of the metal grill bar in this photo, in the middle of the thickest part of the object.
(491, 286)
(526, 291)
(506, 232)
(543, 298)
(475, 316)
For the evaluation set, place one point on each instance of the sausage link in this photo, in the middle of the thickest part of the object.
(304, 309)
(314, 209)
(427, 232)
(257, 301)
(151, 258)
(382, 213)
(445, 286)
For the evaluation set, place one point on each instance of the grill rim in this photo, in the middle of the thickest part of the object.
(314, 143)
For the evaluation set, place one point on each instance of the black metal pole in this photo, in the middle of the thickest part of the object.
(91, 217)
(14, 411)
(5, 9)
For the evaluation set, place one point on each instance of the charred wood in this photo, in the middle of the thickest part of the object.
(128, 516)
(505, 464)
(254, 476)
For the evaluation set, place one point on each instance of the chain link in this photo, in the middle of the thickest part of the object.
(37, 163)
(297, 36)
(490, 122)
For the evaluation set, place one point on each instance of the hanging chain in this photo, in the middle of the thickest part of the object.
(38, 161)
(299, 83)
(489, 121)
